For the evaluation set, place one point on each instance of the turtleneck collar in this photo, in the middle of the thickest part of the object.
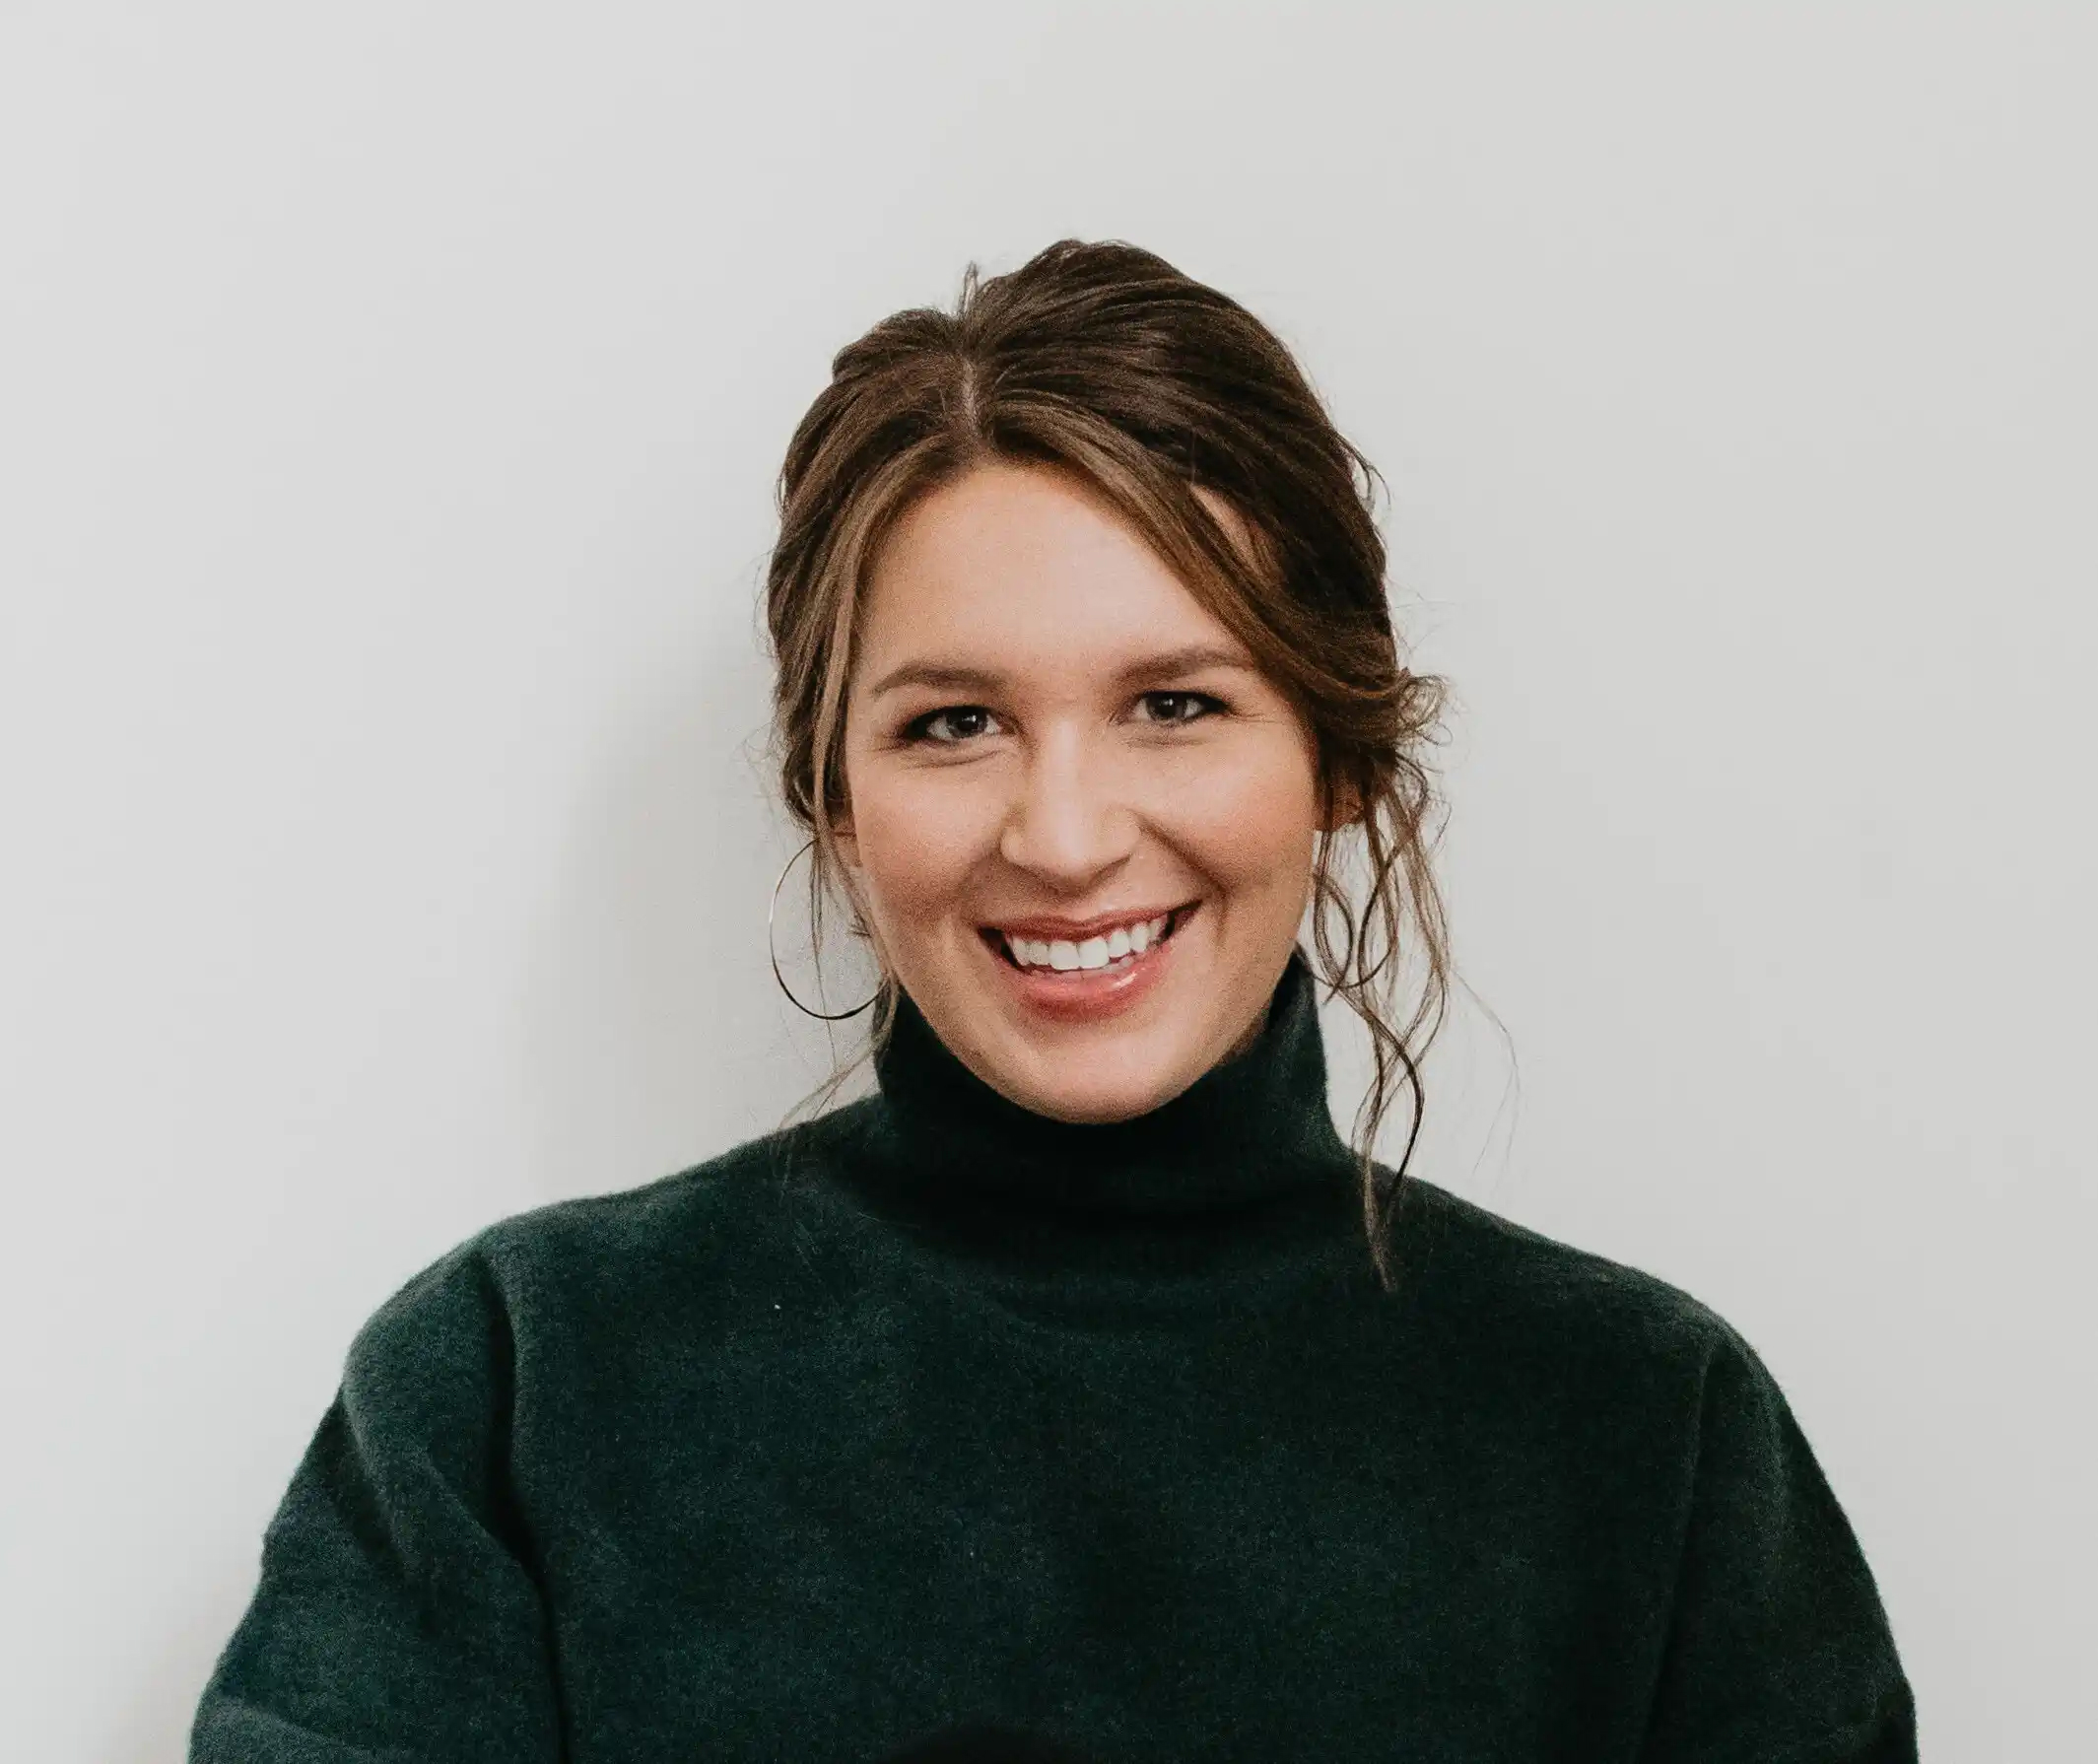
(1242, 1165)
(1254, 1127)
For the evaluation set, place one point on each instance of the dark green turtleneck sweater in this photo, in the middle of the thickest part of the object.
(1103, 1438)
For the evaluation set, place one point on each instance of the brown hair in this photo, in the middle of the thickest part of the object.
(1104, 360)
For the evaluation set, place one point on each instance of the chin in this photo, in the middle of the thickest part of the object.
(1102, 1084)
(1093, 1108)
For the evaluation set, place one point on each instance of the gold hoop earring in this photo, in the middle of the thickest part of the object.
(773, 949)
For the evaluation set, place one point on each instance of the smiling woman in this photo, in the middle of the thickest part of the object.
(1126, 771)
(1080, 1393)
(1101, 488)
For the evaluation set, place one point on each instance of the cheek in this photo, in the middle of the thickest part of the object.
(1249, 819)
(919, 838)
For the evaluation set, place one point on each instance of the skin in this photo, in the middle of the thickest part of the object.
(1077, 769)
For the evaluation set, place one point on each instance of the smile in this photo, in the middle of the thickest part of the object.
(1116, 945)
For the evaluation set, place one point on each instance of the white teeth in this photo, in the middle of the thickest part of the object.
(1095, 952)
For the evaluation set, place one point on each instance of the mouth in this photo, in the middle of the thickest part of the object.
(1073, 961)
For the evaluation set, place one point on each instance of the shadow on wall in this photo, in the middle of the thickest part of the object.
(653, 1032)
(157, 1709)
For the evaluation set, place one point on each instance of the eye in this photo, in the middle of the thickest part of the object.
(948, 726)
(1181, 707)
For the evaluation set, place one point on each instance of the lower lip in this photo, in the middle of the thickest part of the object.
(1088, 994)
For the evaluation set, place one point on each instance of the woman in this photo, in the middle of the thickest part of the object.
(1080, 1392)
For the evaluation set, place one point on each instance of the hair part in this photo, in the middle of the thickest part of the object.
(1103, 362)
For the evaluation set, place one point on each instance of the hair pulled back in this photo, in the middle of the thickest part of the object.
(1105, 362)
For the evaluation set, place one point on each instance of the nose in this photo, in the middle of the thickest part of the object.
(1069, 821)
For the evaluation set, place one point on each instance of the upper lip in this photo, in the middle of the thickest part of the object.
(1077, 931)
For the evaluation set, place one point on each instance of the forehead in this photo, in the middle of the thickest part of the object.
(1022, 566)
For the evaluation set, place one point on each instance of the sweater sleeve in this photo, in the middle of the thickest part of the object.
(1779, 1649)
(395, 1617)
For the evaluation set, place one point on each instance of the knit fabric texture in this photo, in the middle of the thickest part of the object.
(938, 1429)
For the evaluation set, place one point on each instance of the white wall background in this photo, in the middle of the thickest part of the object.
(389, 398)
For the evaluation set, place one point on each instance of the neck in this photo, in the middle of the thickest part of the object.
(1241, 1171)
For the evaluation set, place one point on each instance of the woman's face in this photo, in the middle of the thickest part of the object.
(1050, 748)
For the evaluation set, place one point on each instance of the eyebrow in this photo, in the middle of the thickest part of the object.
(1190, 659)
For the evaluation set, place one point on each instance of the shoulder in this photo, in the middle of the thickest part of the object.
(1467, 1250)
(1647, 1426)
(676, 1220)
(693, 1239)
(1612, 1384)
(1535, 1306)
